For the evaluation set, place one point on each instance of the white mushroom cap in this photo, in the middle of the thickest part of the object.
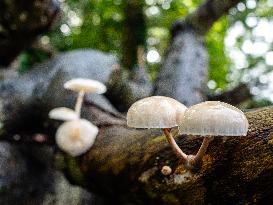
(76, 137)
(155, 112)
(86, 85)
(214, 118)
(63, 113)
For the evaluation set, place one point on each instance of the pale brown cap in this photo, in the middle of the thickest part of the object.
(63, 113)
(86, 85)
(214, 118)
(166, 170)
(76, 137)
(155, 112)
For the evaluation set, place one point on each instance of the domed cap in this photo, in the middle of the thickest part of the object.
(214, 118)
(76, 137)
(155, 112)
(86, 85)
(63, 113)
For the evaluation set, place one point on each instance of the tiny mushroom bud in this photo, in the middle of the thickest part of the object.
(212, 118)
(158, 112)
(63, 113)
(83, 85)
(166, 170)
(76, 137)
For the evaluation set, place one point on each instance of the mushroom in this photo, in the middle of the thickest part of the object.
(76, 137)
(83, 85)
(166, 170)
(158, 112)
(212, 118)
(62, 113)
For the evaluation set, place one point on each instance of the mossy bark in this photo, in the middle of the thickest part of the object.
(124, 165)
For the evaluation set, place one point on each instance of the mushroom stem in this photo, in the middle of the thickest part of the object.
(179, 153)
(79, 101)
(202, 150)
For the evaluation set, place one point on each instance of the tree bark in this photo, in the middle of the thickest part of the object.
(134, 35)
(210, 11)
(124, 164)
(183, 73)
(235, 96)
(235, 170)
(21, 23)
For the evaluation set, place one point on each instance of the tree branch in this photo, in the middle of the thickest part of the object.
(235, 96)
(124, 165)
(210, 11)
(21, 23)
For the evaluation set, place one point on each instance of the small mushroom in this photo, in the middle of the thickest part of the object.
(166, 170)
(83, 86)
(62, 113)
(76, 137)
(212, 118)
(158, 112)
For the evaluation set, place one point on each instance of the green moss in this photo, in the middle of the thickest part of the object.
(170, 199)
(158, 139)
(59, 161)
(74, 170)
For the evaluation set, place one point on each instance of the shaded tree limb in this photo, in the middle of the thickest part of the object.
(125, 165)
(184, 70)
(134, 34)
(202, 19)
(234, 96)
(21, 23)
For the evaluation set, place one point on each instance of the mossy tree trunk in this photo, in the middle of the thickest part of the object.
(124, 164)
(235, 170)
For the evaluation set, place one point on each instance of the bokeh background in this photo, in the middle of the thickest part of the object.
(240, 45)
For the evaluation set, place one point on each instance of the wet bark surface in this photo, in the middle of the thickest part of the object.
(235, 170)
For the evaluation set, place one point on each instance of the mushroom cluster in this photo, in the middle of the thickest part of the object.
(76, 135)
(208, 119)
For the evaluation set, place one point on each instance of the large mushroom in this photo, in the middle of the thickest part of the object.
(158, 112)
(212, 118)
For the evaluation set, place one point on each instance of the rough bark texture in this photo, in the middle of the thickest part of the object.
(235, 170)
(184, 71)
(210, 11)
(21, 23)
(124, 165)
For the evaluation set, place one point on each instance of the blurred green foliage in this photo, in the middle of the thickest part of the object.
(30, 57)
(99, 24)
